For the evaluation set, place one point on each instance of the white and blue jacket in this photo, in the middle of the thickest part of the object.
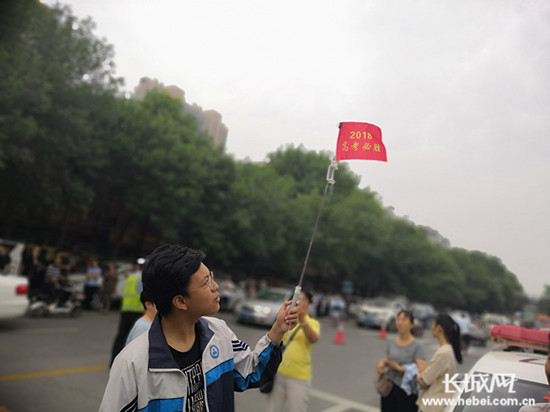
(145, 376)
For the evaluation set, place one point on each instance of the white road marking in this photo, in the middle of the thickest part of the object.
(342, 404)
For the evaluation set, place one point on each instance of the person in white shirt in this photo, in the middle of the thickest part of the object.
(143, 324)
(465, 325)
(443, 363)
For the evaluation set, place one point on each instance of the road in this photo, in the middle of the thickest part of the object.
(61, 364)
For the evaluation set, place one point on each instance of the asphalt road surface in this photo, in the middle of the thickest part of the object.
(61, 364)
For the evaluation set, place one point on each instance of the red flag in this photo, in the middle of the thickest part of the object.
(360, 141)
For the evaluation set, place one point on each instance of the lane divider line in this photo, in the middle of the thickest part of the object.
(53, 372)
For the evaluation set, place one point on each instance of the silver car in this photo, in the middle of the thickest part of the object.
(380, 312)
(263, 308)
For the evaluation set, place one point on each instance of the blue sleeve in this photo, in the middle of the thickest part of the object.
(266, 369)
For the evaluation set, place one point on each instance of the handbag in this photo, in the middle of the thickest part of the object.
(267, 386)
(383, 384)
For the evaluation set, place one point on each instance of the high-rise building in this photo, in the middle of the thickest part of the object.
(209, 121)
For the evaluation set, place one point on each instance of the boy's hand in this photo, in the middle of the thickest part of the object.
(286, 320)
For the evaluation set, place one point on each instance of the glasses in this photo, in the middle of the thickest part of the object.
(209, 283)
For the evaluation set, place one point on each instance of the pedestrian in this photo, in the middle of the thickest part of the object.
(66, 262)
(189, 361)
(27, 260)
(131, 308)
(465, 324)
(442, 363)
(34, 268)
(91, 284)
(317, 303)
(5, 260)
(144, 323)
(56, 281)
(108, 287)
(293, 381)
(403, 361)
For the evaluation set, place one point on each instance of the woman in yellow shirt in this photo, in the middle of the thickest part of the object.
(293, 380)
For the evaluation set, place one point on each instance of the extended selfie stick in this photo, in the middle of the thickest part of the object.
(330, 181)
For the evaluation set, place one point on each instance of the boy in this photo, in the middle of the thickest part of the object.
(188, 362)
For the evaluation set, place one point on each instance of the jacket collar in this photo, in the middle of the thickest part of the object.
(160, 356)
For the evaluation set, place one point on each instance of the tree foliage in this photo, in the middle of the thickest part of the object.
(56, 82)
(81, 166)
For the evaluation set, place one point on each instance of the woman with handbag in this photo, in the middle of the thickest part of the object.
(404, 360)
(293, 380)
(443, 362)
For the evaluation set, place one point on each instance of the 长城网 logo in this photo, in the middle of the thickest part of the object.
(479, 382)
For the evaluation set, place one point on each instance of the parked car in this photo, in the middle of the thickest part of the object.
(491, 319)
(380, 312)
(424, 312)
(480, 330)
(354, 303)
(509, 377)
(479, 335)
(231, 294)
(13, 296)
(263, 308)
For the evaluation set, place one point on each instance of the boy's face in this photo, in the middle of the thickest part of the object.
(202, 293)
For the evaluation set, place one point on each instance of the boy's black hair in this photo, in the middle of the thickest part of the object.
(144, 297)
(166, 273)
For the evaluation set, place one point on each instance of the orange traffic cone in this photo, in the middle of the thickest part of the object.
(339, 338)
(382, 334)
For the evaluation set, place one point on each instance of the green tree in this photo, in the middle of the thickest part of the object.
(209, 222)
(55, 79)
(309, 169)
(153, 176)
(489, 286)
(263, 221)
(350, 235)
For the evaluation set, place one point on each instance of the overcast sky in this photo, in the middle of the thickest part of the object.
(460, 89)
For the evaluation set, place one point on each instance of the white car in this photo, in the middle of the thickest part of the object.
(13, 296)
(230, 298)
(505, 380)
(380, 312)
(263, 308)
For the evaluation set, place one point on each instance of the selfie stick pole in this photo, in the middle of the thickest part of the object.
(330, 181)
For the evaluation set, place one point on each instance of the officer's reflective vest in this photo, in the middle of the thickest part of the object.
(130, 295)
